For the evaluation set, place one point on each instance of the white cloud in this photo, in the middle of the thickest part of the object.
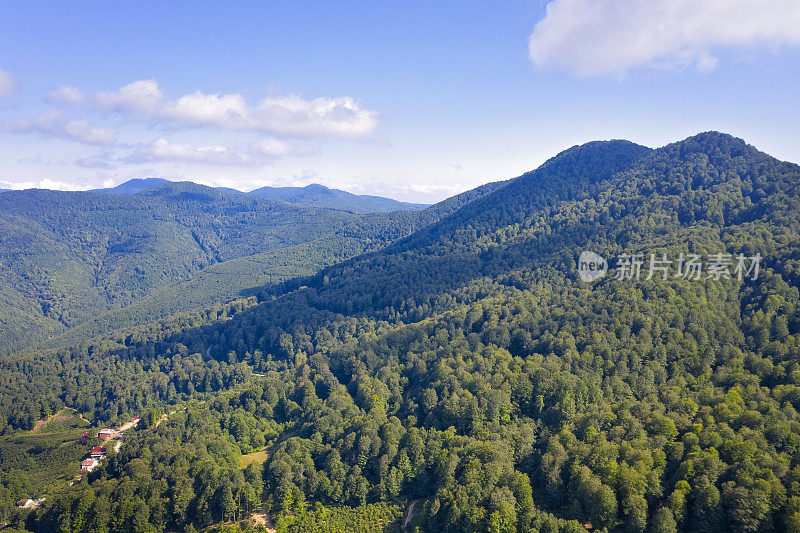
(88, 133)
(289, 115)
(198, 109)
(55, 125)
(66, 95)
(259, 153)
(142, 96)
(285, 115)
(7, 84)
(394, 190)
(597, 37)
(163, 150)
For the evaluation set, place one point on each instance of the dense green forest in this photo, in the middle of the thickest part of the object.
(466, 373)
(77, 264)
(67, 257)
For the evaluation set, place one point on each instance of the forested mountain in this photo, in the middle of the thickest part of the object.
(77, 264)
(321, 196)
(311, 195)
(467, 368)
(66, 257)
(248, 275)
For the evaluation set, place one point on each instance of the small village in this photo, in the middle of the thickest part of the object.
(94, 455)
(97, 453)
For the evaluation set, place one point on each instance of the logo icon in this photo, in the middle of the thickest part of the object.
(591, 266)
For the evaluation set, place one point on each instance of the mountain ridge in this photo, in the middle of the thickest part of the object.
(316, 194)
(468, 367)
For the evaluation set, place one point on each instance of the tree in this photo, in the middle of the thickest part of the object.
(663, 522)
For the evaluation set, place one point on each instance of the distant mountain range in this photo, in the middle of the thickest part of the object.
(311, 195)
(77, 264)
(321, 196)
(315, 195)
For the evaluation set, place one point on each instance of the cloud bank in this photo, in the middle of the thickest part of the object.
(288, 115)
(324, 117)
(598, 37)
(284, 124)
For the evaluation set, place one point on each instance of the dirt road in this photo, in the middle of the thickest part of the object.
(409, 514)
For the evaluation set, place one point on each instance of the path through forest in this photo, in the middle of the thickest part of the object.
(409, 514)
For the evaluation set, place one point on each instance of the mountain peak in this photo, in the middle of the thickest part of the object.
(318, 195)
(133, 186)
(714, 144)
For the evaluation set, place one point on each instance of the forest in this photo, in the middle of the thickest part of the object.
(74, 265)
(462, 370)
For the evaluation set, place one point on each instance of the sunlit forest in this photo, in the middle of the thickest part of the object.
(463, 378)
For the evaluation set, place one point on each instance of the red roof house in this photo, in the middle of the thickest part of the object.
(98, 451)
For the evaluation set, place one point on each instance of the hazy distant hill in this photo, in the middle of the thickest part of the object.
(321, 196)
(77, 264)
(311, 195)
(133, 186)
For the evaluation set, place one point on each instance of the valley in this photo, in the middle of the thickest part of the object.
(461, 369)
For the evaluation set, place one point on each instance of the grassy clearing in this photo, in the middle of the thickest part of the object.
(255, 457)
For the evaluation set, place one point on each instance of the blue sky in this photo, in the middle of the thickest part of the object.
(413, 100)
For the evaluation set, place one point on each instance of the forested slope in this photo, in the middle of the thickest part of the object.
(66, 257)
(467, 367)
(242, 276)
(78, 264)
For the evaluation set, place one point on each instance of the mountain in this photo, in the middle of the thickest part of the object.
(77, 264)
(66, 257)
(133, 186)
(311, 195)
(250, 274)
(465, 377)
(321, 196)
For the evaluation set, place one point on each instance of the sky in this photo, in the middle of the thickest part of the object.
(411, 100)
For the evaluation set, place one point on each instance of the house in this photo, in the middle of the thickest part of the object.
(106, 433)
(98, 452)
(25, 503)
(135, 420)
(84, 437)
(88, 464)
